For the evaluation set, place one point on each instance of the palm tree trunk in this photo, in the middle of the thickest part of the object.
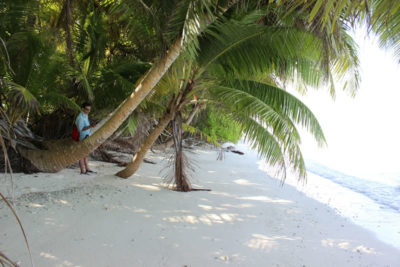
(189, 120)
(68, 38)
(133, 166)
(181, 181)
(56, 160)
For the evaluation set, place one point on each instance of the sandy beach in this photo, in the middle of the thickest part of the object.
(247, 219)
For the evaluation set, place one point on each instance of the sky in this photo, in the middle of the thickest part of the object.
(363, 133)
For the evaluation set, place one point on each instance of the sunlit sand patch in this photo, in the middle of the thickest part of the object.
(222, 194)
(229, 217)
(244, 205)
(243, 182)
(68, 263)
(48, 256)
(208, 208)
(207, 219)
(266, 242)
(139, 210)
(180, 219)
(364, 249)
(266, 199)
(344, 244)
(36, 205)
(205, 207)
(147, 187)
(64, 202)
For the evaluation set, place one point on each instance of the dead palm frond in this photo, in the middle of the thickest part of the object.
(3, 258)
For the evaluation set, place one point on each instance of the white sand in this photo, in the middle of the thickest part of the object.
(247, 219)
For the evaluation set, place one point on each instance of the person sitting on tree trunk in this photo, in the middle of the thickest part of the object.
(84, 128)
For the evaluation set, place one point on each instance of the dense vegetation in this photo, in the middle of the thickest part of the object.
(215, 68)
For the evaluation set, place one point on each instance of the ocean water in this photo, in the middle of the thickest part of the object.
(368, 199)
(383, 188)
(371, 200)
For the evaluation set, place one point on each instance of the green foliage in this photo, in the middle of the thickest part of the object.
(52, 58)
(218, 126)
(197, 132)
(115, 82)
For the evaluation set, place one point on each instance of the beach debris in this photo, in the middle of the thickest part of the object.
(233, 150)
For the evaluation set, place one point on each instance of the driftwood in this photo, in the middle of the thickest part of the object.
(233, 150)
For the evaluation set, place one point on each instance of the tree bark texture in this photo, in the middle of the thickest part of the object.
(67, 26)
(133, 166)
(181, 181)
(188, 121)
(64, 155)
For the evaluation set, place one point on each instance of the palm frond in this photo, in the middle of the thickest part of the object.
(23, 48)
(58, 99)
(385, 22)
(5, 58)
(84, 86)
(264, 142)
(21, 98)
(272, 149)
(246, 104)
(130, 125)
(273, 97)
(232, 47)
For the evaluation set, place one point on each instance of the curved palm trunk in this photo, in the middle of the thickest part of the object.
(133, 166)
(57, 159)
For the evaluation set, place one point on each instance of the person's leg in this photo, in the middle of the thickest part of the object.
(86, 159)
(88, 170)
(82, 165)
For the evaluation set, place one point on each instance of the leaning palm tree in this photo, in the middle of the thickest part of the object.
(265, 113)
(190, 13)
(190, 17)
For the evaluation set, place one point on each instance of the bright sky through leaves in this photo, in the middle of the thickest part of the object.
(363, 133)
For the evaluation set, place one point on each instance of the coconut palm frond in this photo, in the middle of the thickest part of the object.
(57, 99)
(21, 100)
(152, 107)
(24, 48)
(280, 101)
(175, 79)
(328, 13)
(84, 85)
(386, 23)
(244, 103)
(264, 142)
(5, 58)
(245, 49)
(189, 20)
(130, 125)
(275, 152)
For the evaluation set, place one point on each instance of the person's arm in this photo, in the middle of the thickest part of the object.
(88, 127)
